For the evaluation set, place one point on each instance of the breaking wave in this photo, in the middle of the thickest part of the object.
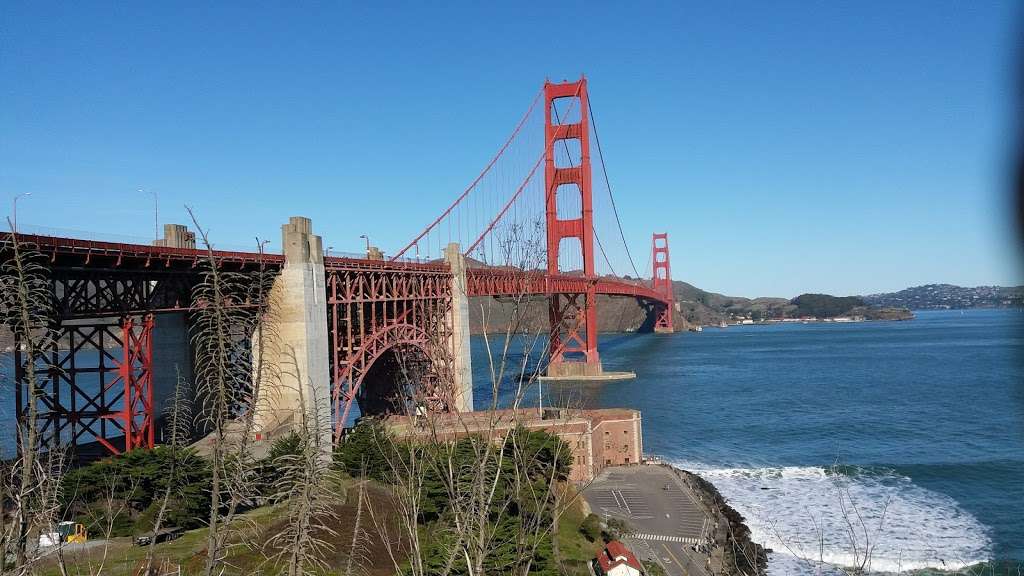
(809, 516)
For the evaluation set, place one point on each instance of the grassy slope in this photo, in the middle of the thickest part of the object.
(574, 549)
(124, 559)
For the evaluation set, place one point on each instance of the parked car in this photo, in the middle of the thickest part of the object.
(163, 535)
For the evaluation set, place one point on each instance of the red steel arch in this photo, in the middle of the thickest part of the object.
(350, 378)
(374, 306)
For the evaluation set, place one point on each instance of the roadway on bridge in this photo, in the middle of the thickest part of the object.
(666, 521)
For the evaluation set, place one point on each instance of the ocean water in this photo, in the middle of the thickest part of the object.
(912, 431)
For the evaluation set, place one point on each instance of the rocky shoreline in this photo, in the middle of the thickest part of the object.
(734, 551)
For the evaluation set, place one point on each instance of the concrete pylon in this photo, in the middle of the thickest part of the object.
(462, 365)
(177, 236)
(296, 366)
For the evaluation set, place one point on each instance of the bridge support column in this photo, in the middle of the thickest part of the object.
(295, 359)
(661, 281)
(461, 361)
(172, 357)
(573, 317)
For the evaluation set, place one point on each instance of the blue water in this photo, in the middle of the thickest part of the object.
(916, 428)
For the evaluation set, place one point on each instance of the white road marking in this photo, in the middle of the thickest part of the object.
(664, 538)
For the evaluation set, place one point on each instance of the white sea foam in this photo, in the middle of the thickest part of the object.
(798, 512)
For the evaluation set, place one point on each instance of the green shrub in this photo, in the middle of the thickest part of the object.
(269, 470)
(591, 527)
(134, 482)
(362, 451)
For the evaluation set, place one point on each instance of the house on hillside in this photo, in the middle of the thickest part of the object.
(617, 560)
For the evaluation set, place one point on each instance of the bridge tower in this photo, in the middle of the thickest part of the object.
(661, 282)
(573, 339)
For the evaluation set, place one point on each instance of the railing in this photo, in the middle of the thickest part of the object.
(110, 238)
(505, 282)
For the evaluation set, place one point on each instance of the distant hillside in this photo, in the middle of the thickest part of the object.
(704, 308)
(825, 306)
(946, 296)
(695, 307)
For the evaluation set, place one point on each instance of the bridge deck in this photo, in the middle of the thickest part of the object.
(480, 281)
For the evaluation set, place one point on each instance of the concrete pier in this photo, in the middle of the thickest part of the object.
(462, 365)
(296, 371)
(172, 356)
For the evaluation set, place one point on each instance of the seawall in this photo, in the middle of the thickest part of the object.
(735, 552)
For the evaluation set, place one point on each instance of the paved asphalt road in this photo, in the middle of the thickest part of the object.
(661, 511)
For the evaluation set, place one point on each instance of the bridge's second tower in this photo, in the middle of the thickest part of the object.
(573, 345)
(661, 282)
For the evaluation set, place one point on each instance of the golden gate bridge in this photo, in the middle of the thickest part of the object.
(527, 223)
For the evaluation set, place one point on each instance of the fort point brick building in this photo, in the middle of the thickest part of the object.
(597, 438)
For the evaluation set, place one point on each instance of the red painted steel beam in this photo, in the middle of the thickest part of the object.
(499, 282)
(571, 316)
(155, 254)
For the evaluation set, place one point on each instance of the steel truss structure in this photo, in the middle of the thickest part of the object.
(96, 388)
(98, 385)
(373, 310)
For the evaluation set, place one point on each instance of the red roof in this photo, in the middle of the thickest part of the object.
(616, 554)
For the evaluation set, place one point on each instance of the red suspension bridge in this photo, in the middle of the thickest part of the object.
(527, 223)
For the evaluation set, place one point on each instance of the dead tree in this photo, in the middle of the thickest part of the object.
(27, 306)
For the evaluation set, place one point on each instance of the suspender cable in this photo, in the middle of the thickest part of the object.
(475, 182)
(529, 176)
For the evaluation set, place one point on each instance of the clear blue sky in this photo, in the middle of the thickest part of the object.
(786, 147)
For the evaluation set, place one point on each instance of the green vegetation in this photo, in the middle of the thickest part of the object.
(364, 453)
(529, 475)
(591, 527)
(123, 558)
(579, 538)
(519, 472)
(653, 568)
(122, 493)
(825, 306)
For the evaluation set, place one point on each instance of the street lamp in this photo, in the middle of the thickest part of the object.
(156, 213)
(14, 210)
(367, 238)
(329, 248)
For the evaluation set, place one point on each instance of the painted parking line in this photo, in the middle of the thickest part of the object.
(622, 501)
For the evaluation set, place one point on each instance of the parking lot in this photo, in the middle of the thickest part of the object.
(666, 521)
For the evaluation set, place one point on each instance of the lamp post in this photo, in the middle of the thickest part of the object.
(156, 213)
(14, 210)
(367, 238)
(329, 248)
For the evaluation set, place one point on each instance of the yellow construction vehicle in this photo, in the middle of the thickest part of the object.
(76, 533)
(66, 533)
